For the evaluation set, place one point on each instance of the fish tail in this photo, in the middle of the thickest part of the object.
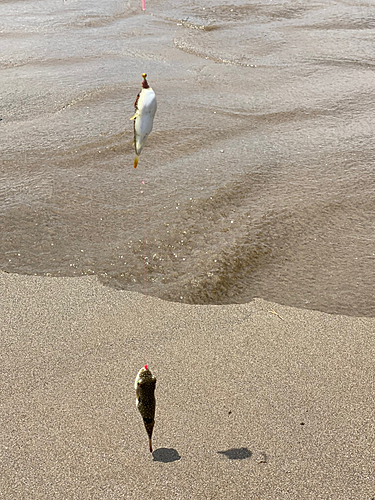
(136, 160)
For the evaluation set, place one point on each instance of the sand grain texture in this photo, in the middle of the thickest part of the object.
(249, 405)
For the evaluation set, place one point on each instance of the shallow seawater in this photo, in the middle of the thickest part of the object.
(259, 173)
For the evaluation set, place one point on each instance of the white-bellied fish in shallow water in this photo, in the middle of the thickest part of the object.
(145, 108)
(145, 384)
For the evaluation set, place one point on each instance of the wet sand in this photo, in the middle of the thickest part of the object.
(250, 403)
(259, 172)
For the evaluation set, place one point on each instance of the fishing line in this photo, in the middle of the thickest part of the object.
(144, 269)
(145, 108)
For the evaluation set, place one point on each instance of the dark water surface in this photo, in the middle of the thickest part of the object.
(259, 174)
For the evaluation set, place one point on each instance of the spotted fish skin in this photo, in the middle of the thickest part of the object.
(145, 109)
(145, 384)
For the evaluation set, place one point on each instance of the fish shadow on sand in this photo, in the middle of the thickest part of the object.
(166, 455)
(237, 453)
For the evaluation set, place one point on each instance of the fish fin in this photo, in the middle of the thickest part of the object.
(136, 160)
(134, 116)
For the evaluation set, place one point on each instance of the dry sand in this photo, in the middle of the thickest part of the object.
(249, 404)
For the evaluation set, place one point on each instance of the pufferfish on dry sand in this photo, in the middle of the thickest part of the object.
(145, 384)
(145, 109)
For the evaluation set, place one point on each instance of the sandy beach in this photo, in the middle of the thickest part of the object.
(253, 401)
(255, 189)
